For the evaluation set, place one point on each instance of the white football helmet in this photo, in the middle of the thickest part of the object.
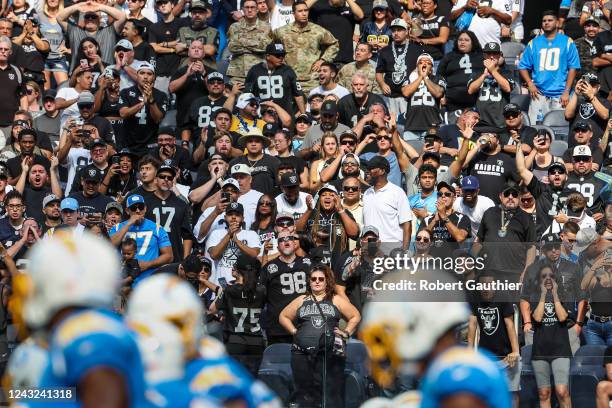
(62, 272)
(161, 347)
(26, 365)
(169, 298)
(398, 333)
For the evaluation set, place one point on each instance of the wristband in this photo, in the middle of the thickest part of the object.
(580, 324)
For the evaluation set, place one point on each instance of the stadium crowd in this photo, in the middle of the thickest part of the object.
(250, 162)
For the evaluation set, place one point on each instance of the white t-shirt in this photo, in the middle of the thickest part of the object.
(296, 210)
(517, 25)
(77, 157)
(281, 16)
(249, 202)
(223, 267)
(73, 110)
(387, 209)
(474, 214)
(486, 29)
(339, 91)
(216, 224)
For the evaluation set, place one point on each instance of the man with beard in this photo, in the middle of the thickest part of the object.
(292, 200)
(263, 167)
(327, 82)
(583, 136)
(33, 186)
(172, 213)
(587, 105)
(329, 123)
(489, 164)
(246, 118)
(276, 81)
(285, 278)
(90, 200)
(471, 204)
(188, 269)
(198, 30)
(202, 110)
(86, 110)
(355, 105)
(51, 212)
(550, 198)
(142, 107)
(154, 248)
(515, 129)
(218, 136)
(585, 181)
(81, 156)
(167, 149)
(506, 237)
(361, 64)
(586, 45)
(30, 234)
(27, 142)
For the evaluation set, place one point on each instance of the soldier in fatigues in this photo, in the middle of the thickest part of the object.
(363, 53)
(307, 45)
(247, 41)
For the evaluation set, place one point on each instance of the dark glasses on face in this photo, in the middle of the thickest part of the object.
(30, 91)
(511, 193)
(266, 203)
(284, 223)
(446, 194)
(582, 159)
(167, 178)
(317, 279)
(90, 17)
(86, 106)
(422, 239)
(351, 189)
(253, 104)
(349, 163)
(556, 173)
(547, 275)
(137, 207)
(511, 115)
(347, 142)
(383, 138)
(285, 239)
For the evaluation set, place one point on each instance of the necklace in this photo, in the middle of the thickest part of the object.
(399, 64)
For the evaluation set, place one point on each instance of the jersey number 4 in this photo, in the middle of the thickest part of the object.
(270, 87)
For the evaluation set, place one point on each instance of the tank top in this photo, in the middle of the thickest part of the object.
(600, 300)
(311, 326)
(542, 171)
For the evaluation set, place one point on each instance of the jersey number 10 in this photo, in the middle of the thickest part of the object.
(549, 59)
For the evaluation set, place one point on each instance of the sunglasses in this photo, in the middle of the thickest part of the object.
(266, 203)
(447, 194)
(582, 159)
(253, 104)
(215, 82)
(137, 207)
(85, 105)
(510, 193)
(167, 178)
(350, 163)
(379, 138)
(422, 239)
(556, 173)
(286, 239)
(511, 115)
(548, 275)
(90, 17)
(317, 279)
(348, 142)
(351, 189)
(285, 223)
(270, 112)
(30, 91)
(121, 49)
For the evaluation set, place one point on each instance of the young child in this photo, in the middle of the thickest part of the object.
(130, 269)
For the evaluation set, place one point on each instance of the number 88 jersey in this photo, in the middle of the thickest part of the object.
(284, 282)
(279, 85)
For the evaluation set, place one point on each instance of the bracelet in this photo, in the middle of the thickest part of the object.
(580, 324)
(342, 211)
(526, 323)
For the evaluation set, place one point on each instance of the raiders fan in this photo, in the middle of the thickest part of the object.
(276, 81)
(490, 164)
(285, 278)
(586, 182)
(424, 92)
(201, 113)
(142, 107)
(493, 86)
(587, 104)
(550, 198)
(172, 213)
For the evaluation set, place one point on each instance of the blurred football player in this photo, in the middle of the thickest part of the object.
(209, 370)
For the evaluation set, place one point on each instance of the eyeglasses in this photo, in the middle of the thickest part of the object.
(266, 203)
(285, 223)
(317, 279)
(253, 104)
(511, 115)
(422, 239)
(446, 194)
(351, 189)
(286, 239)
(348, 142)
(582, 159)
(510, 193)
(379, 138)
(137, 207)
(14, 206)
(167, 177)
(349, 163)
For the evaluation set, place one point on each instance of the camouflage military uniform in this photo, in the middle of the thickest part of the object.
(304, 47)
(586, 52)
(346, 74)
(208, 36)
(247, 43)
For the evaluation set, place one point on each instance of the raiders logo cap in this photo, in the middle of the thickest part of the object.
(582, 150)
(492, 47)
(235, 208)
(241, 169)
(290, 180)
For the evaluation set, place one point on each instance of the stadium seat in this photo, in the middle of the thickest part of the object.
(522, 101)
(556, 120)
(526, 121)
(355, 374)
(512, 52)
(585, 372)
(450, 118)
(169, 119)
(275, 370)
(558, 147)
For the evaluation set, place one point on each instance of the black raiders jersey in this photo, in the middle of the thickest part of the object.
(423, 109)
(492, 99)
(242, 312)
(279, 85)
(202, 113)
(590, 187)
(284, 282)
(140, 130)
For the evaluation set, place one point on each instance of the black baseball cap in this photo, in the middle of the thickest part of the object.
(276, 48)
(491, 47)
(235, 208)
(270, 129)
(378, 162)
(557, 166)
(329, 108)
(582, 125)
(511, 108)
(290, 180)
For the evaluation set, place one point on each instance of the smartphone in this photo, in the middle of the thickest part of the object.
(225, 196)
(429, 140)
(78, 121)
(223, 283)
(115, 160)
(108, 73)
(84, 63)
(372, 246)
